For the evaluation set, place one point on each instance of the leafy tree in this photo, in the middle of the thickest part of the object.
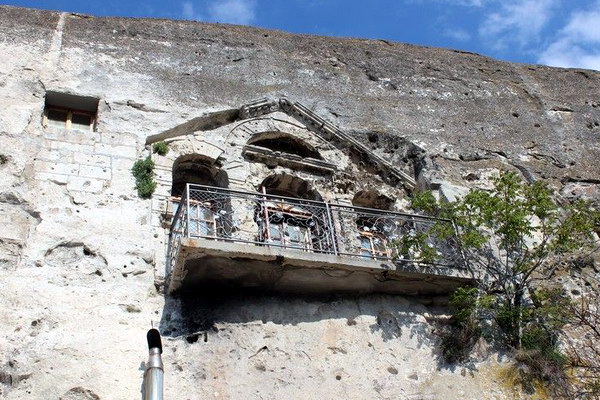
(508, 236)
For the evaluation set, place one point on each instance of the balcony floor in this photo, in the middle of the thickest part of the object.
(213, 263)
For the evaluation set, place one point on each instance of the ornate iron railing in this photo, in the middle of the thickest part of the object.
(313, 226)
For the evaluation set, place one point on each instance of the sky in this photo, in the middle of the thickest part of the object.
(562, 33)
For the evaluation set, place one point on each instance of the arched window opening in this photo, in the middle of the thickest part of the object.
(197, 170)
(376, 231)
(284, 143)
(292, 215)
(208, 208)
(289, 186)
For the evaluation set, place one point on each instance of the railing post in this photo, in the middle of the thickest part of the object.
(266, 215)
(187, 210)
(331, 227)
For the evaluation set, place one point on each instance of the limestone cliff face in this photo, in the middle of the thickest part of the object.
(82, 257)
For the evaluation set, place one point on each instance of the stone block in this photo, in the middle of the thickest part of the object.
(78, 183)
(55, 155)
(55, 178)
(163, 174)
(162, 190)
(124, 164)
(121, 139)
(72, 136)
(122, 182)
(90, 171)
(56, 167)
(73, 147)
(93, 159)
(115, 151)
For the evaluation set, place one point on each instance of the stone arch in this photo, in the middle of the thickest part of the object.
(285, 143)
(372, 199)
(197, 169)
(209, 211)
(287, 185)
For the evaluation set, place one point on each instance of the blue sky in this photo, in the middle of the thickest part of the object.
(563, 33)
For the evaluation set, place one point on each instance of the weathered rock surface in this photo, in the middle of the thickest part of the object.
(78, 249)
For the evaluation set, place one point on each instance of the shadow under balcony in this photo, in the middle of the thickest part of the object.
(222, 238)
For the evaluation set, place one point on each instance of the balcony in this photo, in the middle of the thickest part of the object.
(236, 239)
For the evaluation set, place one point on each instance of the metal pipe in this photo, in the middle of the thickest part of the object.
(153, 376)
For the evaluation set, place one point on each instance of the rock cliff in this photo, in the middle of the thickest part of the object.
(80, 253)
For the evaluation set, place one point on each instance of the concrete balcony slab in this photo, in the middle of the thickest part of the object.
(206, 263)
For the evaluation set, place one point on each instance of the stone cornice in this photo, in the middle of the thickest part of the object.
(310, 119)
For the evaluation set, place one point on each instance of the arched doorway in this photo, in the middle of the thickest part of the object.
(207, 205)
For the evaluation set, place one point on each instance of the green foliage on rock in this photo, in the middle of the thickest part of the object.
(3, 159)
(160, 148)
(143, 172)
(459, 337)
(507, 236)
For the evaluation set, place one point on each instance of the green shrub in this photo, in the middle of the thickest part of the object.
(458, 340)
(145, 188)
(459, 337)
(543, 368)
(161, 148)
(3, 159)
(143, 172)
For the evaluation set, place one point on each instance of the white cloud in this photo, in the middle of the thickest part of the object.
(458, 34)
(517, 22)
(241, 12)
(577, 44)
(471, 3)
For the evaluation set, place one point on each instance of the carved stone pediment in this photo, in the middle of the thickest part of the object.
(306, 120)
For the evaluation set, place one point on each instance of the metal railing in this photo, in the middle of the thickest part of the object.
(314, 226)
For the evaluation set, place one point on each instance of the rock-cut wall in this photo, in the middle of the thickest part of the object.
(81, 256)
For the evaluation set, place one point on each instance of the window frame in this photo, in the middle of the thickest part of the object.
(69, 121)
(373, 250)
(203, 214)
(288, 214)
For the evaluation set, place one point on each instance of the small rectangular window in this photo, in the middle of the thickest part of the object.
(80, 120)
(57, 118)
(70, 112)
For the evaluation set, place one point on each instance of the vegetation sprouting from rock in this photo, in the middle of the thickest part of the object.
(160, 148)
(143, 172)
(511, 237)
(581, 343)
(3, 159)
